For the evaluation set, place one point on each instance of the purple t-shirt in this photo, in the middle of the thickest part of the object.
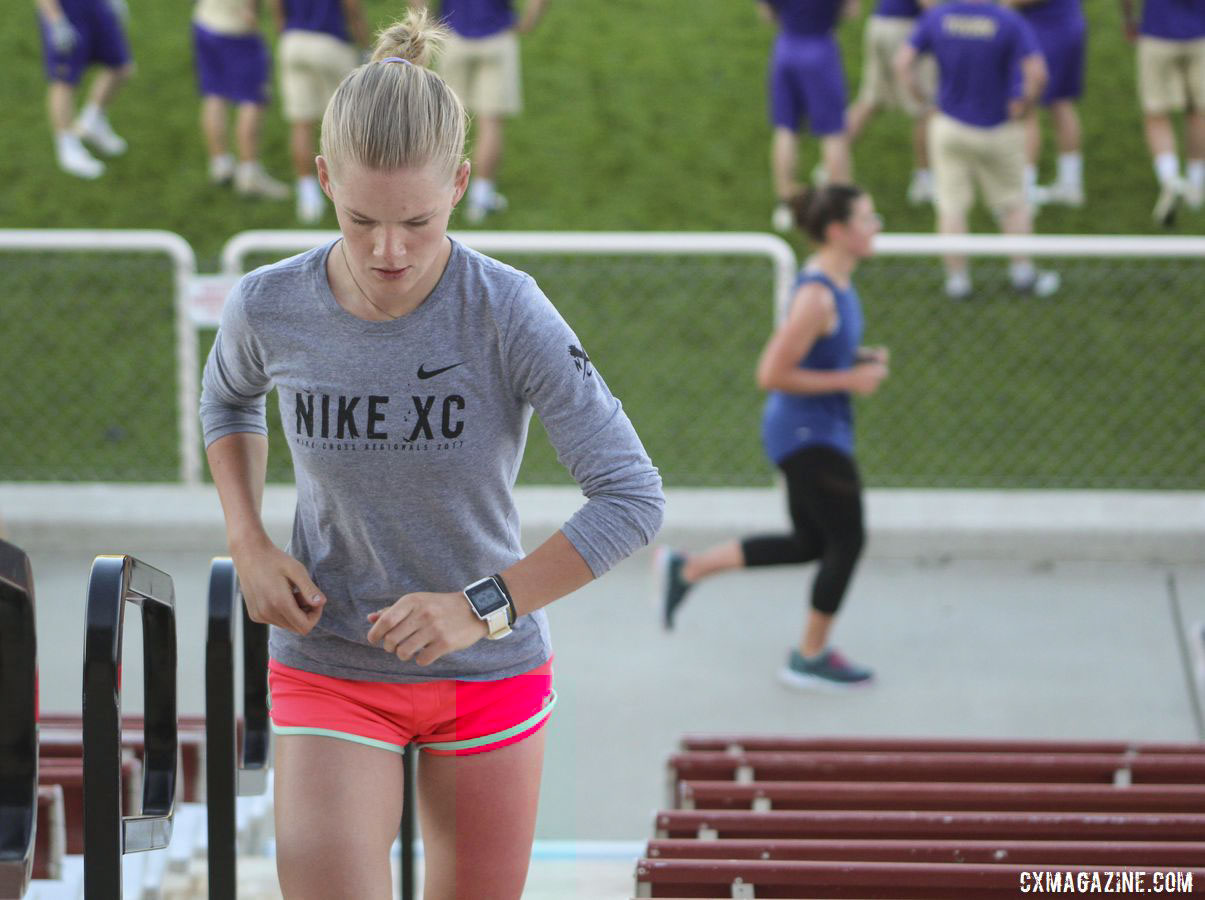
(807, 17)
(898, 9)
(478, 18)
(1052, 13)
(325, 16)
(1174, 20)
(979, 48)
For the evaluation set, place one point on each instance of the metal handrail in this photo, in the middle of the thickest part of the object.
(114, 581)
(229, 769)
(18, 722)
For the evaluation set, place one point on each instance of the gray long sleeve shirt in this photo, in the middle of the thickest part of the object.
(406, 438)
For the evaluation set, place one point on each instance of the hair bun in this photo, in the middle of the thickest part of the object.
(416, 38)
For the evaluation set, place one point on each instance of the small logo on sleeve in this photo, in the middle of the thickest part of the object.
(581, 361)
(431, 373)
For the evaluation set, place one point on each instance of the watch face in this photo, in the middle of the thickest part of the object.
(486, 597)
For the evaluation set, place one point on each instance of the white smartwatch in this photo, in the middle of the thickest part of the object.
(491, 605)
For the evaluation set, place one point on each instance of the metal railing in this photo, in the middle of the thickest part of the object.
(114, 581)
(18, 722)
(232, 770)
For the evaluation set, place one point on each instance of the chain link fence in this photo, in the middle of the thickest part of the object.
(1099, 386)
(88, 372)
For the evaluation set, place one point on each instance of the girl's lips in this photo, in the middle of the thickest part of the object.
(391, 273)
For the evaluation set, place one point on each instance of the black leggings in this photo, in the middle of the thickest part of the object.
(824, 496)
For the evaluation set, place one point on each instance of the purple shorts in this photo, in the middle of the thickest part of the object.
(101, 40)
(1063, 50)
(806, 78)
(230, 67)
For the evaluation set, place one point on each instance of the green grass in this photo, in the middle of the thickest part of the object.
(640, 116)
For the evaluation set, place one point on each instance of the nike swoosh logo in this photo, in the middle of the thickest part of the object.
(423, 373)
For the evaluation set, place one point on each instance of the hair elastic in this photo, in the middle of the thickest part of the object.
(396, 59)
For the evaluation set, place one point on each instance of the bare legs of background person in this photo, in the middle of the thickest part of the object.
(728, 556)
(857, 117)
(310, 203)
(488, 137)
(1194, 134)
(339, 803)
(1068, 186)
(1022, 273)
(247, 173)
(958, 276)
(1174, 187)
(834, 154)
(213, 129)
(784, 158)
(920, 187)
(784, 161)
(92, 125)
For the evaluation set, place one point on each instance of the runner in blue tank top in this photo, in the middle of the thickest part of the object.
(811, 366)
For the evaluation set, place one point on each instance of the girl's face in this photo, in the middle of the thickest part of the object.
(394, 225)
(857, 235)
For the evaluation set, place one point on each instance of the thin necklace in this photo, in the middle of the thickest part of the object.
(367, 299)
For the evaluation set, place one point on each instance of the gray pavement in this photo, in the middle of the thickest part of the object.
(1026, 647)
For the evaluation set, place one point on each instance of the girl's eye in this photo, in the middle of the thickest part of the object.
(361, 222)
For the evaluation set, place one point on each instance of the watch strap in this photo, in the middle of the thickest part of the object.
(511, 612)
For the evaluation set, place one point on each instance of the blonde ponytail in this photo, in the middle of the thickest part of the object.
(394, 112)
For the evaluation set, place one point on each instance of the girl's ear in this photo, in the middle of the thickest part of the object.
(324, 176)
(461, 181)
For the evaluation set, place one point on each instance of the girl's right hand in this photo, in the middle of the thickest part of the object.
(277, 588)
(865, 377)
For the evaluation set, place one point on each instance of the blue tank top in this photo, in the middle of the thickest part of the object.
(794, 421)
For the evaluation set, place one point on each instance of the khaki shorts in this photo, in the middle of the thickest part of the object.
(882, 39)
(1171, 75)
(311, 66)
(963, 156)
(484, 73)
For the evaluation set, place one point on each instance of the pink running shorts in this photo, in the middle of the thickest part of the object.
(446, 718)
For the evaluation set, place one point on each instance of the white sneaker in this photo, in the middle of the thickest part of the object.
(1168, 202)
(920, 190)
(75, 159)
(476, 213)
(310, 206)
(1045, 283)
(782, 219)
(221, 169)
(100, 134)
(1194, 196)
(958, 286)
(1059, 194)
(251, 180)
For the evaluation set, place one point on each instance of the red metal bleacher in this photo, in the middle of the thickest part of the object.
(797, 817)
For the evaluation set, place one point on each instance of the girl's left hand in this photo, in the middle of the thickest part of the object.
(425, 626)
